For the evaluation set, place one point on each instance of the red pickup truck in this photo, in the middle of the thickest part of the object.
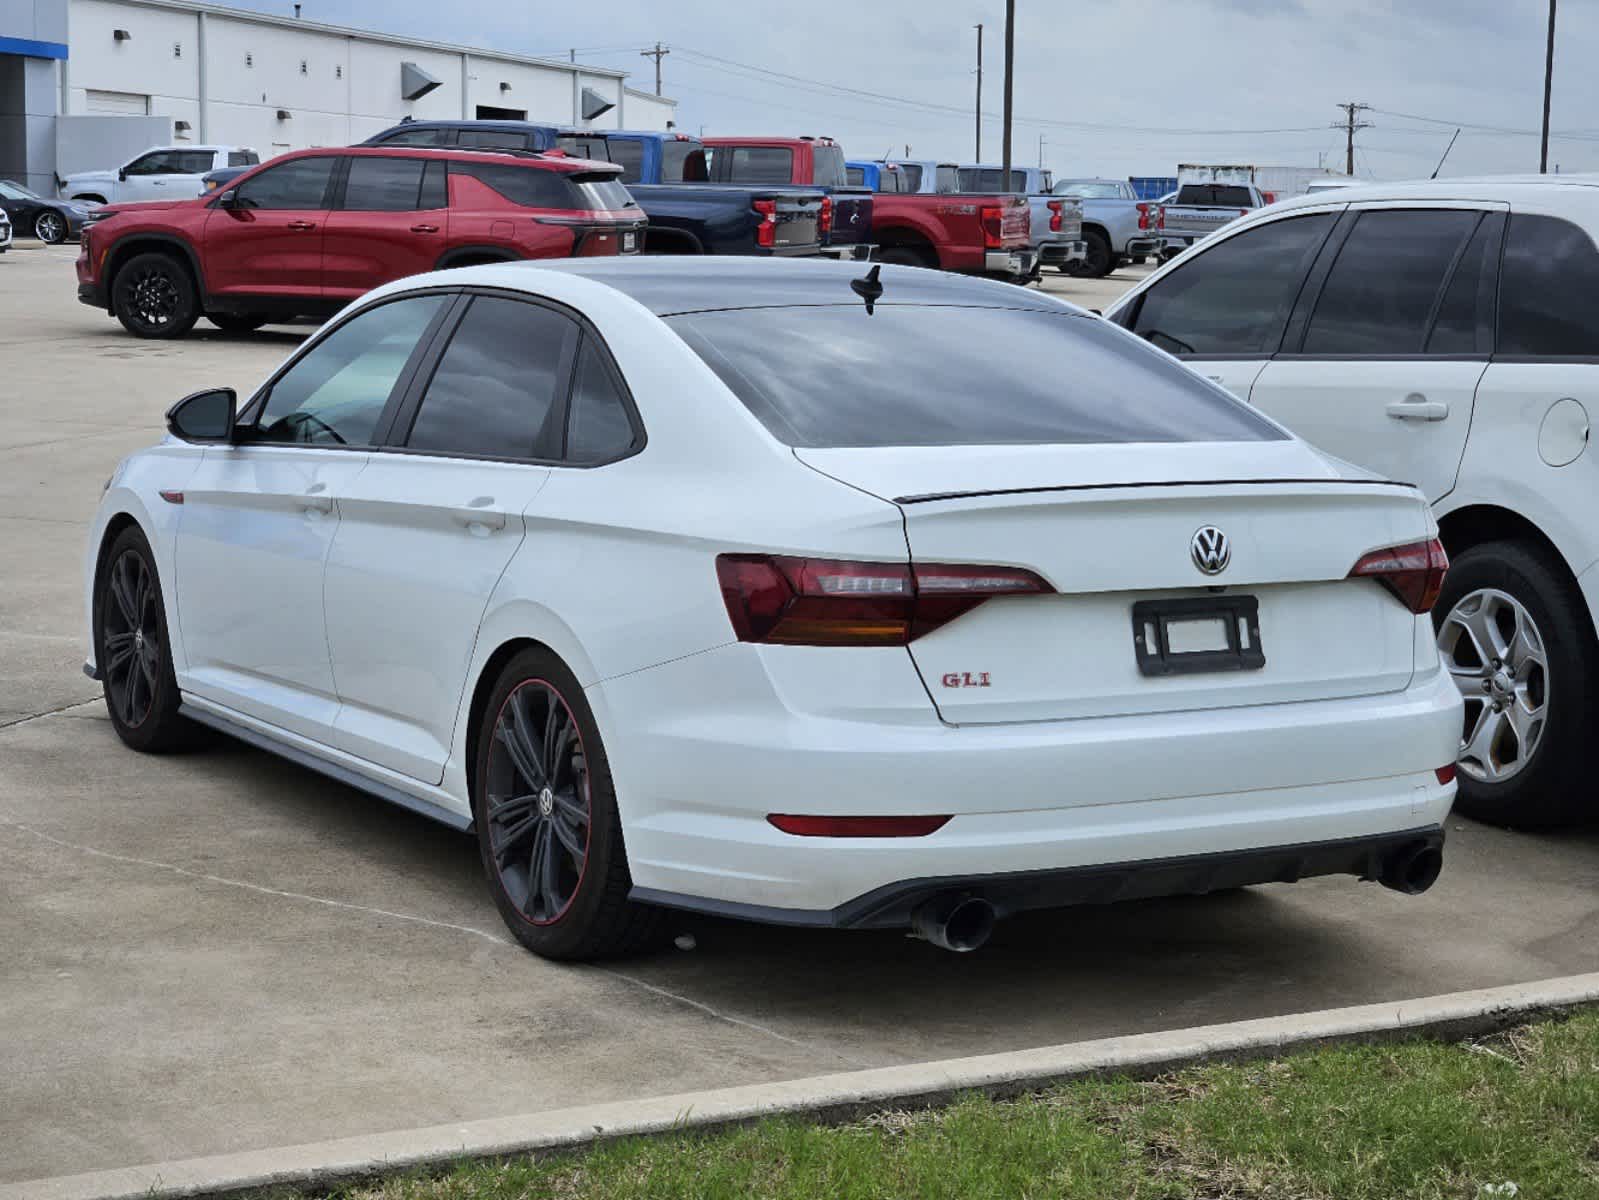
(976, 233)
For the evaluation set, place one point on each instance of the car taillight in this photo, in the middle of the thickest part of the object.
(1160, 217)
(825, 222)
(766, 230)
(821, 602)
(993, 222)
(1054, 215)
(807, 826)
(1445, 775)
(1143, 216)
(1413, 572)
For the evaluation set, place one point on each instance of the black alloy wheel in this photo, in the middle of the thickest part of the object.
(154, 297)
(537, 804)
(548, 829)
(50, 227)
(133, 651)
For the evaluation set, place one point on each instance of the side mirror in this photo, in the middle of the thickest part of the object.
(205, 416)
(229, 199)
(122, 174)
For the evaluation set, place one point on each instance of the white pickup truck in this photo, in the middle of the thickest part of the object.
(161, 173)
(1202, 208)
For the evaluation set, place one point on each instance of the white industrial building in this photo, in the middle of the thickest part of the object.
(88, 83)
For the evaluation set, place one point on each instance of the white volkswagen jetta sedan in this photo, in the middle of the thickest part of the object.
(775, 590)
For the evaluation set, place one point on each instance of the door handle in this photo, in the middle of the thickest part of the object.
(1416, 407)
(477, 517)
(301, 226)
(424, 229)
(314, 502)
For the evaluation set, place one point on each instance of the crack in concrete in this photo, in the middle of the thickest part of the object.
(485, 935)
(50, 712)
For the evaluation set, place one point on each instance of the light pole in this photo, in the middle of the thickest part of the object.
(1548, 90)
(1010, 66)
(979, 154)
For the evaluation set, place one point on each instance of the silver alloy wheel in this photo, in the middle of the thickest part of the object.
(1495, 654)
(50, 227)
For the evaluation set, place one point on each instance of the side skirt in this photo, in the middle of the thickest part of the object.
(332, 770)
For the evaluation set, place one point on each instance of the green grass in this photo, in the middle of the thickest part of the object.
(1412, 1120)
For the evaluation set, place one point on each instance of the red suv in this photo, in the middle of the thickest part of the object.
(309, 231)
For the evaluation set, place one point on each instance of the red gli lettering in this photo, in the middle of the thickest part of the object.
(965, 679)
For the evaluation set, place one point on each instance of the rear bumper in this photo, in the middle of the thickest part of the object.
(1057, 254)
(1142, 245)
(891, 906)
(848, 252)
(1010, 262)
(705, 748)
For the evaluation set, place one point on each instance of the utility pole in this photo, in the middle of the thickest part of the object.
(1548, 91)
(1040, 152)
(979, 154)
(1010, 66)
(1349, 124)
(657, 54)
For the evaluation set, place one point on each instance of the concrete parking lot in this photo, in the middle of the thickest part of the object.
(221, 951)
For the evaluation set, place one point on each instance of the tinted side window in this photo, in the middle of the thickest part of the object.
(947, 180)
(1234, 298)
(299, 183)
(494, 390)
(527, 186)
(585, 147)
(418, 137)
(1380, 293)
(1547, 289)
(598, 427)
(856, 177)
(683, 162)
(760, 164)
(243, 158)
(912, 173)
(827, 166)
(383, 184)
(629, 155)
(493, 139)
(1465, 318)
(435, 191)
(335, 394)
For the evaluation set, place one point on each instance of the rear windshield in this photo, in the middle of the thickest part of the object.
(923, 375)
(1230, 195)
(541, 188)
(683, 162)
(912, 173)
(1089, 190)
(987, 179)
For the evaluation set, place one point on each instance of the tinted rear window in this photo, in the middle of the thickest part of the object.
(856, 176)
(683, 162)
(1551, 274)
(912, 375)
(987, 179)
(604, 192)
(912, 173)
(1227, 195)
(829, 166)
(627, 153)
(758, 164)
(537, 188)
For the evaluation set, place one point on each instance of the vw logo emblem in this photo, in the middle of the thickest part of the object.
(546, 802)
(1211, 550)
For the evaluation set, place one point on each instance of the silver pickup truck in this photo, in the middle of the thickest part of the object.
(1199, 209)
(1057, 221)
(1118, 227)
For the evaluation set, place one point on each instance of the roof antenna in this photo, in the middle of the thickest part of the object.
(868, 289)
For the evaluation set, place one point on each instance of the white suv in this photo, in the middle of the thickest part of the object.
(1444, 334)
(164, 173)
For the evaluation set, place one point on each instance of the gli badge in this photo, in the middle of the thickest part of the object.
(964, 679)
(1211, 550)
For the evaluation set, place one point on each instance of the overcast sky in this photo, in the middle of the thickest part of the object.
(1116, 87)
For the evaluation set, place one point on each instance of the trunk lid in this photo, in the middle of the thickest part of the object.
(798, 218)
(1109, 526)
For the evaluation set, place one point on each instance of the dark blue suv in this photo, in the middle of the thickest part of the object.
(469, 135)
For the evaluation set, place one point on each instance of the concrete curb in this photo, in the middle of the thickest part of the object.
(1459, 1014)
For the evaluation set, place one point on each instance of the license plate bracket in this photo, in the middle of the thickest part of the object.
(1197, 634)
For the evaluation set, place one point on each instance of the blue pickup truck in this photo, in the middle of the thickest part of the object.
(667, 174)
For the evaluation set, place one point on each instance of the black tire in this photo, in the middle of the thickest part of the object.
(566, 909)
(154, 296)
(1551, 787)
(237, 322)
(906, 256)
(50, 227)
(1100, 261)
(132, 649)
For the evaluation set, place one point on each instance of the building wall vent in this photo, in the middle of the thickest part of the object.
(594, 104)
(415, 82)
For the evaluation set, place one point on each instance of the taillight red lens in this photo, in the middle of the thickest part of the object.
(1160, 217)
(1143, 216)
(1054, 214)
(825, 222)
(823, 602)
(766, 229)
(1445, 775)
(874, 827)
(993, 221)
(1413, 572)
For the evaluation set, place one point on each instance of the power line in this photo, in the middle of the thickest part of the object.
(1577, 135)
(930, 106)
